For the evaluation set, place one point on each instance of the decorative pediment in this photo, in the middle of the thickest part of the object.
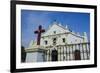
(55, 29)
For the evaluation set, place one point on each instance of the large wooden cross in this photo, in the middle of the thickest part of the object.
(38, 32)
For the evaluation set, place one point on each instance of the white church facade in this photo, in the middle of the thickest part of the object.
(59, 43)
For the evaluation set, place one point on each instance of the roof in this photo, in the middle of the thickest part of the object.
(64, 28)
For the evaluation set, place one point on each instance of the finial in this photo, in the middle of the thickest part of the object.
(84, 34)
(66, 26)
(85, 37)
(59, 24)
(55, 22)
(78, 33)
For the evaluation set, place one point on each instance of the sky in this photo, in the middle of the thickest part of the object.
(31, 19)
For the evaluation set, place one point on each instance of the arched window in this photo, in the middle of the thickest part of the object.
(54, 41)
(63, 39)
(46, 42)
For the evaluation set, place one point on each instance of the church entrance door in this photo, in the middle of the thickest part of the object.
(54, 55)
(77, 55)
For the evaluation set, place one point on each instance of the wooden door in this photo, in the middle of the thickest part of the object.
(54, 55)
(77, 55)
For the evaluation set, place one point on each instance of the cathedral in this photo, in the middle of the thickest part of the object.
(58, 43)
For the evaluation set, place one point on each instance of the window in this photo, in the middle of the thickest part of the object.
(54, 32)
(46, 42)
(54, 41)
(63, 39)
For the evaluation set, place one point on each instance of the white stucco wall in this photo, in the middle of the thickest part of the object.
(61, 32)
(35, 57)
(73, 39)
(55, 27)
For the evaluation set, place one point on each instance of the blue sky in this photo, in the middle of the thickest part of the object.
(31, 19)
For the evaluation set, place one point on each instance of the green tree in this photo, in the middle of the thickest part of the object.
(23, 54)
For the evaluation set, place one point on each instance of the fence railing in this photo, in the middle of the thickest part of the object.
(80, 51)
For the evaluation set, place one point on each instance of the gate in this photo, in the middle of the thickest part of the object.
(80, 51)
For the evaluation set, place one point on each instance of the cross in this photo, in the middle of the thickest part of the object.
(38, 32)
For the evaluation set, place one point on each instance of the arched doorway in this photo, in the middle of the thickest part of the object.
(54, 55)
(77, 55)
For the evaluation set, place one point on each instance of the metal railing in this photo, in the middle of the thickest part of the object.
(67, 52)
